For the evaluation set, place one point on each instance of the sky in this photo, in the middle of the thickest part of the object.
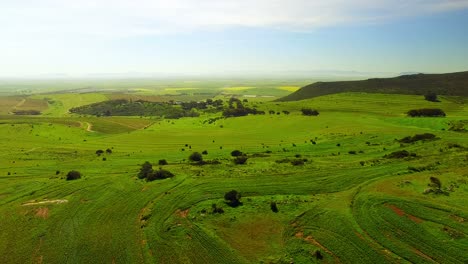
(231, 37)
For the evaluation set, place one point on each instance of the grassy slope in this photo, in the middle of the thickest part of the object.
(443, 84)
(332, 203)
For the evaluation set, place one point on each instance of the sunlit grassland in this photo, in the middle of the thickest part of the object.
(339, 203)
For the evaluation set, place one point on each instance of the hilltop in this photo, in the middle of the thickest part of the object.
(454, 84)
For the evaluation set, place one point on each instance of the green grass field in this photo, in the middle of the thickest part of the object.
(352, 208)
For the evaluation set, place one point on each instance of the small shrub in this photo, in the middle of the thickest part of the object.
(233, 198)
(196, 157)
(317, 254)
(109, 151)
(57, 172)
(205, 152)
(435, 182)
(99, 152)
(73, 175)
(352, 152)
(216, 210)
(273, 207)
(297, 162)
(417, 137)
(236, 153)
(162, 162)
(399, 155)
(240, 160)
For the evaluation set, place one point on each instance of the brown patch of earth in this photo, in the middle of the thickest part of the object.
(42, 212)
(311, 240)
(402, 213)
(458, 218)
(183, 214)
(419, 253)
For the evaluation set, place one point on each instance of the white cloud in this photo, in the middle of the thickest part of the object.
(146, 17)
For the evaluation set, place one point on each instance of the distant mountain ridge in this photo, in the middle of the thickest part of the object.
(455, 84)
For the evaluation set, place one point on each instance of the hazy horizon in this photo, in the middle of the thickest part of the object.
(263, 38)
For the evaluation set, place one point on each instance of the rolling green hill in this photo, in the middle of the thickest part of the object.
(455, 84)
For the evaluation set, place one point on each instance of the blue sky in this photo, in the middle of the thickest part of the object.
(219, 37)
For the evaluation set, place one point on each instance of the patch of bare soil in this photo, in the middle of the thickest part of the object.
(183, 214)
(42, 212)
(400, 212)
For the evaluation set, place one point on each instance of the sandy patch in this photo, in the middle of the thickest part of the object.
(46, 202)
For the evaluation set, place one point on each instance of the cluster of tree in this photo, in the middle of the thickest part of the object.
(309, 112)
(234, 112)
(124, 107)
(27, 112)
(236, 108)
(417, 137)
(147, 172)
(202, 105)
(428, 112)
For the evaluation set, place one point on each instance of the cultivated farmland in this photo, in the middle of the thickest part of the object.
(342, 189)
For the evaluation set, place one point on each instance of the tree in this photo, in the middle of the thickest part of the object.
(196, 157)
(236, 153)
(309, 112)
(233, 198)
(162, 162)
(274, 207)
(431, 97)
(99, 152)
(109, 151)
(73, 175)
(145, 170)
(205, 152)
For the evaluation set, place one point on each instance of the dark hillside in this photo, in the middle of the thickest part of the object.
(455, 84)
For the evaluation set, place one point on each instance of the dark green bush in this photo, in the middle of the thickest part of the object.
(196, 157)
(309, 112)
(236, 153)
(159, 175)
(426, 112)
(233, 198)
(73, 175)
